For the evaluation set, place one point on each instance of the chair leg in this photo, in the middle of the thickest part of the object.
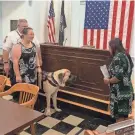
(32, 128)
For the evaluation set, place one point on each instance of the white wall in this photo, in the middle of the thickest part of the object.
(43, 21)
(75, 23)
(82, 18)
(33, 16)
(20, 9)
(11, 11)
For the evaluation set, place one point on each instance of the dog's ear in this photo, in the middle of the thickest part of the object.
(61, 76)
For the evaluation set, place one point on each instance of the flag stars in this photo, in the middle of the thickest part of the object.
(97, 14)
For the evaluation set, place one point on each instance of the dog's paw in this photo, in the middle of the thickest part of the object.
(58, 110)
(48, 113)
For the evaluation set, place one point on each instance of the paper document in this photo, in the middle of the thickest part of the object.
(104, 71)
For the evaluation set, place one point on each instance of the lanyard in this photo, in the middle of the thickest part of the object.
(18, 33)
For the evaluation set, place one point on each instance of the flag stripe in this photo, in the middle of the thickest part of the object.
(105, 39)
(51, 31)
(98, 39)
(50, 24)
(92, 36)
(88, 37)
(95, 38)
(117, 28)
(122, 19)
(114, 18)
(85, 37)
(51, 37)
(130, 19)
(110, 24)
(125, 28)
(101, 38)
(53, 25)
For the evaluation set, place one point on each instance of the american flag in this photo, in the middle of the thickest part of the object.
(50, 24)
(105, 20)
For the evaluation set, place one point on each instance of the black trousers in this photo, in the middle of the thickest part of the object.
(13, 82)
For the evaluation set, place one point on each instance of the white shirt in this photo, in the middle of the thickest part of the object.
(13, 38)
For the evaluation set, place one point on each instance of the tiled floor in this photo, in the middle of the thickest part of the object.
(64, 123)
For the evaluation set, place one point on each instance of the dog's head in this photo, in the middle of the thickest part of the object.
(64, 76)
(71, 80)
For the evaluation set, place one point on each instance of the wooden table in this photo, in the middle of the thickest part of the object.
(14, 117)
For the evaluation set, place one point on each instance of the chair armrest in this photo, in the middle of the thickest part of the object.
(5, 93)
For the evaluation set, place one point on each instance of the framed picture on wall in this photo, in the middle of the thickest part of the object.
(13, 24)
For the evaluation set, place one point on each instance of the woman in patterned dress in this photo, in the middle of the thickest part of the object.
(25, 59)
(121, 90)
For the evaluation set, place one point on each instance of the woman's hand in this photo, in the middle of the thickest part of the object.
(106, 80)
(18, 79)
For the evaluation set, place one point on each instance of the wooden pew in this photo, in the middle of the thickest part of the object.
(89, 90)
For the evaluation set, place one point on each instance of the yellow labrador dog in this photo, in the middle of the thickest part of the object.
(51, 85)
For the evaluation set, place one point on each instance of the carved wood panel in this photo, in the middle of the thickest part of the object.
(84, 63)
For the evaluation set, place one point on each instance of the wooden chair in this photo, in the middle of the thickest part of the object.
(28, 96)
(3, 80)
(8, 83)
